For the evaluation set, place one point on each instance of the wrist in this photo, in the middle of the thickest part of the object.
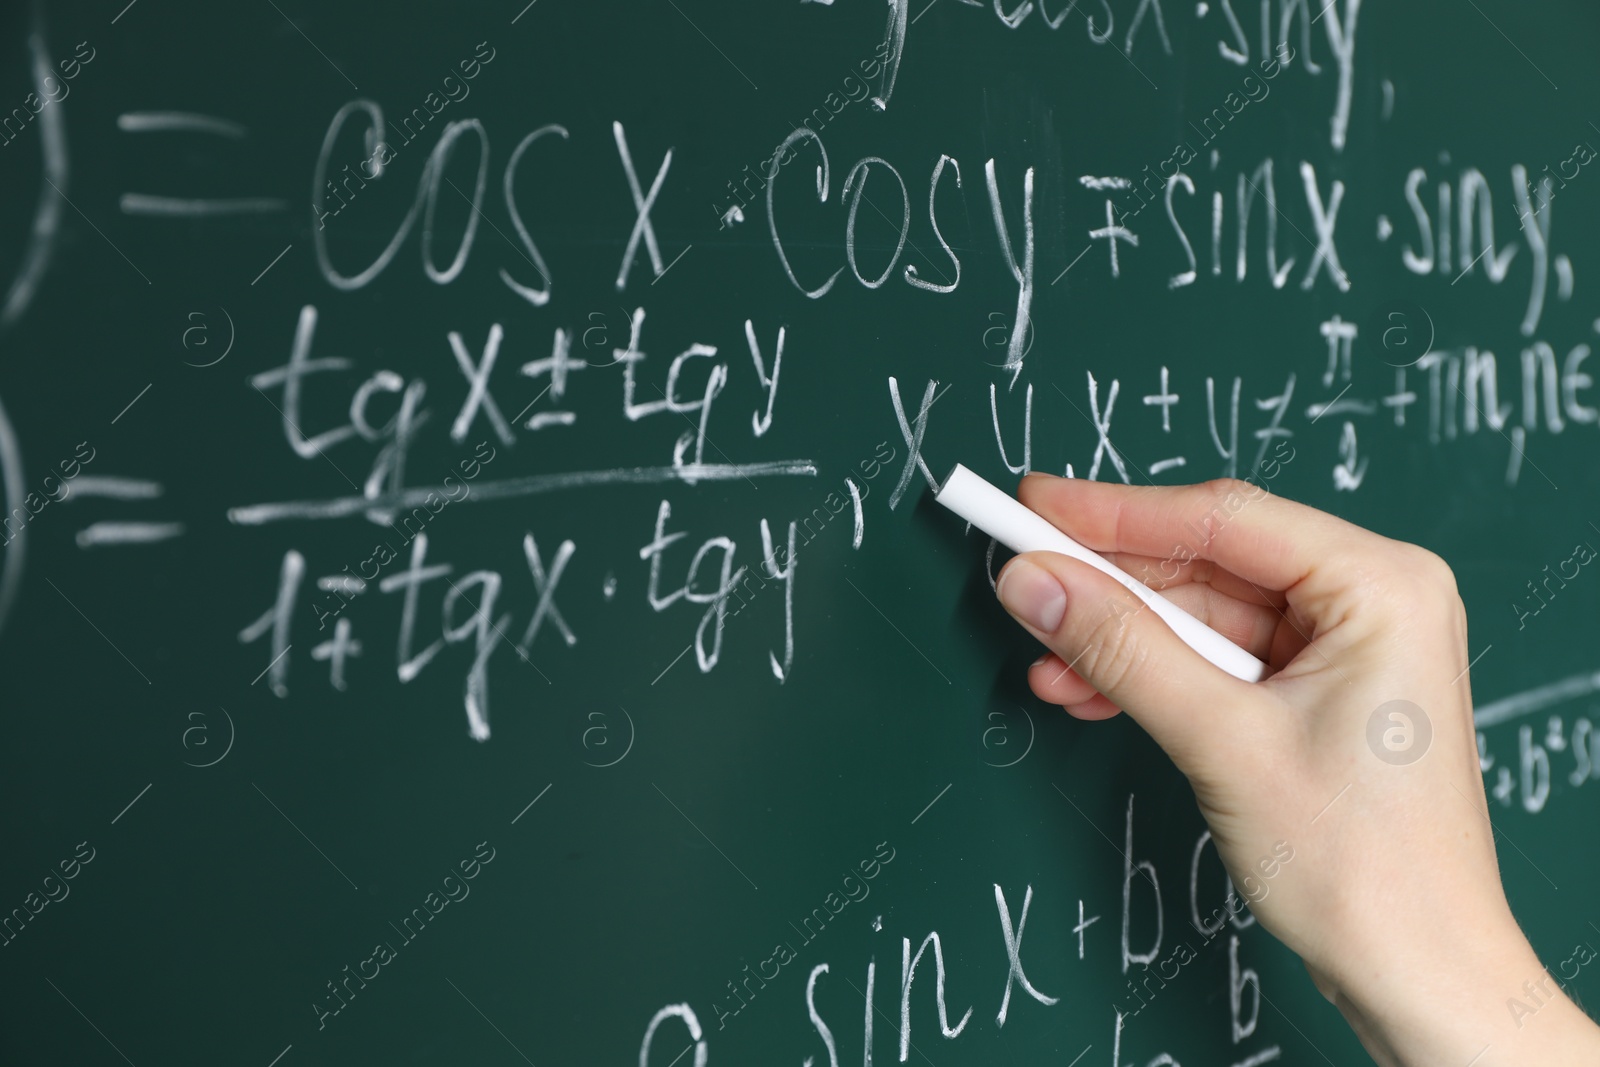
(1487, 1001)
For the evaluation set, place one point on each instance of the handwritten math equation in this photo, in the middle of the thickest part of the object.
(1348, 382)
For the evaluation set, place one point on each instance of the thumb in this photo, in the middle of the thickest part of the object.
(1123, 649)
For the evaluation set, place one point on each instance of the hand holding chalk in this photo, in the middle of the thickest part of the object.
(1343, 792)
(1005, 519)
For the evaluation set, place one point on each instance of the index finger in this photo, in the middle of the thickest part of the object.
(1169, 573)
(1264, 539)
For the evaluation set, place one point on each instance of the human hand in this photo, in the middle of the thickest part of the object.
(1393, 898)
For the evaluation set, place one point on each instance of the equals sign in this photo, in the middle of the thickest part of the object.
(114, 487)
(189, 207)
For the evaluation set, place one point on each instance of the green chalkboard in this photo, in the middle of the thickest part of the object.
(471, 590)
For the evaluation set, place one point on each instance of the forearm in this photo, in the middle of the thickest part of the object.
(1486, 1007)
(1394, 899)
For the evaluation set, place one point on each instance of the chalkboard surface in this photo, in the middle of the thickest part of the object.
(471, 591)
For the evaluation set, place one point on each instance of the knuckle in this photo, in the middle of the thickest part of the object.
(1434, 571)
(1112, 652)
(1221, 488)
(1418, 584)
(1426, 574)
(1218, 501)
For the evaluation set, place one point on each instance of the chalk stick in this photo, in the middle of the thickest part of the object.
(1005, 518)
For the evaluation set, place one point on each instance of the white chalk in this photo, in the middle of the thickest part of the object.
(1005, 519)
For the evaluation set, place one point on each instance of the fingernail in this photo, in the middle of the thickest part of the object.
(1042, 660)
(1033, 595)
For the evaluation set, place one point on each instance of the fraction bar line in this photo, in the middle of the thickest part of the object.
(511, 488)
(1529, 701)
